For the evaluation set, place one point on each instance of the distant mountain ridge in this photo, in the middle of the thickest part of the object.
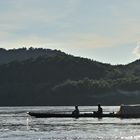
(22, 54)
(51, 77)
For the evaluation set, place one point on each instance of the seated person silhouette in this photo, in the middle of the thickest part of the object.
(76, 111)
(100, 110)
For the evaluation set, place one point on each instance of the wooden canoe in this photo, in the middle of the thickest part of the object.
(83, 115)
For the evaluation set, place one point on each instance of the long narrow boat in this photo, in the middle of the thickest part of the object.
(126, 111)
(60, 115)
(84, 115)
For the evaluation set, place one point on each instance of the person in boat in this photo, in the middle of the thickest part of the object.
(76, 111)
(100, 110)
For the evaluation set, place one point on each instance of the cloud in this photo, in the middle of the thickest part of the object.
(64, 24)
(20, 15)
(29, 41)
(136, 50)
(33, 11)
(87, 40)
(22, 19)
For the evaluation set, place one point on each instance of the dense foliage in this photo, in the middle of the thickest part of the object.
(51, 77)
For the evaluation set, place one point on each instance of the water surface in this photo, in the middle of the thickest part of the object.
(15, 124)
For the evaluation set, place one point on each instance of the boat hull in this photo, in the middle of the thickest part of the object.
(84, 115)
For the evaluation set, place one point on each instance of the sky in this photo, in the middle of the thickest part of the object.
(103, 30)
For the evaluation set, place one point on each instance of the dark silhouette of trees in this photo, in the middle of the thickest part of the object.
(50, 77)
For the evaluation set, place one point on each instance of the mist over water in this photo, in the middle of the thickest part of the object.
(15, 124)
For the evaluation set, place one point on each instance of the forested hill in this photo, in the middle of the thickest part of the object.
(50, 77)
(21, 54)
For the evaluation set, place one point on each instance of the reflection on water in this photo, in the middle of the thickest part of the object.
(15, 124)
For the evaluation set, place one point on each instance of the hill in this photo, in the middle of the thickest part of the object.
(50, 77)
(21, 54)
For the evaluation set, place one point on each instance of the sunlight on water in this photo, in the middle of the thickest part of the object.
(131, 138)
(15, 124)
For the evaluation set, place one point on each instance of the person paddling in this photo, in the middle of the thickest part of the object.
(76, 111)
(100, 110)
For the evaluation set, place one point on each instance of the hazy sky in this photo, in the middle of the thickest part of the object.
(104, 30)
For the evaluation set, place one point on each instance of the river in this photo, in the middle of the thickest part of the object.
(15, 124)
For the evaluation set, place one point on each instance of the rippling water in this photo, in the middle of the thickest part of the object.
(15, 124)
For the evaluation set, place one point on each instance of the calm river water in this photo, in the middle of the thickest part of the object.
(15, 124)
